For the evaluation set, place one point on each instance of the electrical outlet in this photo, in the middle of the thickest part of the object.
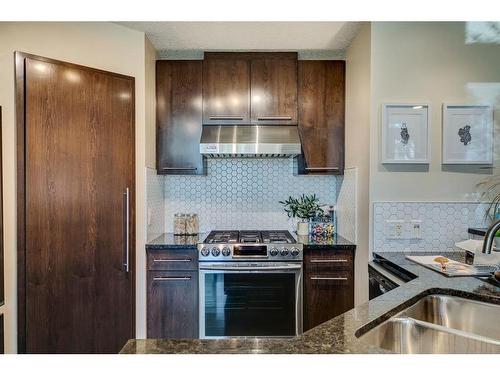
(398, 230)
(395, 228)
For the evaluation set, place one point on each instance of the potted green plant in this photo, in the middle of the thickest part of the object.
(490, 192)
(304, 208)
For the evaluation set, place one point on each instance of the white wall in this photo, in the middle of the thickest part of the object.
(427, 62)
(411, 62)
(149, 156)
(104, 46)
(150, 60)
(358, 147)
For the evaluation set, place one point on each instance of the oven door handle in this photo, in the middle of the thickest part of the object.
(223, 267)
(384, 273)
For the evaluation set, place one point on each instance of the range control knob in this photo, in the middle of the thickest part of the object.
(215, 251)
(284, 252)
(294, 251)
(273, 251)
(205, 251)
(226, 251)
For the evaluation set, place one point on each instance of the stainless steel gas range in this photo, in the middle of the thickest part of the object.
(250, 284)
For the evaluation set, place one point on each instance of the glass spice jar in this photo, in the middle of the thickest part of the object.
(195, 224)
(188, 224)
(192, 224)
(179, 224)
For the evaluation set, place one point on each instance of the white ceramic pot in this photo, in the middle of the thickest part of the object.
(302, 228)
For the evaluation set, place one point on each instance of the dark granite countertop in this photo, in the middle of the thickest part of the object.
(167, 241)
(338, 335)
(336, 242)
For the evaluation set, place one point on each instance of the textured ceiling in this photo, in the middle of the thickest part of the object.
(331, 36)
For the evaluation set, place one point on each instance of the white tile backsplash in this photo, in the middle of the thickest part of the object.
(442, 224)
(236, 193)
(155, 204)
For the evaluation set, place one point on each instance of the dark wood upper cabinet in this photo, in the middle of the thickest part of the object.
(274, 90)
(226, 89)
(321, 93)
(178, 117)
(251, 88)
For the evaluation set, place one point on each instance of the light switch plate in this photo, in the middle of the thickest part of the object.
(416, 229)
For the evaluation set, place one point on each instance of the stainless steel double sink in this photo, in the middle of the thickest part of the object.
(442, 324)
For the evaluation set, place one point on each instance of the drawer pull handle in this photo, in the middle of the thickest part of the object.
(170, 260)
(328, 261)
(179, 169)
(328, 278)
(226, 117)
(172, 278)
(274, 118)
(322, 168)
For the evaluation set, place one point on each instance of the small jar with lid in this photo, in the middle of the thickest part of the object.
(179, 224)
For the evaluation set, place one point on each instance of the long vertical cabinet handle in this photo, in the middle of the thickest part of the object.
(126, 231)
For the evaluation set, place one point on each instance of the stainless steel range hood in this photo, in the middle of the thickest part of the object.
(250, 141)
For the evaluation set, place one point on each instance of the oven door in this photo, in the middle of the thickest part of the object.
(261, 299)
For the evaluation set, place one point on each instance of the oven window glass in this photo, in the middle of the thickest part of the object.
(249, 304)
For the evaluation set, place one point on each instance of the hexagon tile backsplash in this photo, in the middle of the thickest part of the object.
(237, 194)
(442, 224)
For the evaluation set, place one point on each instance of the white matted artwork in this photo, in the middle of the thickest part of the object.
(467, 134)
(405, 134)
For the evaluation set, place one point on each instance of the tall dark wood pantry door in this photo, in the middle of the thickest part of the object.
(78, 208)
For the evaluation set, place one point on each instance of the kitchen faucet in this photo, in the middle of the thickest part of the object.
(490, 236)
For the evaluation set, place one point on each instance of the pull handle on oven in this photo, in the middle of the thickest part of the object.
(249, 267)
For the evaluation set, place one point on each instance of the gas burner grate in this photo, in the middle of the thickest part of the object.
(250, 236)
(222, 237)
(280, 236)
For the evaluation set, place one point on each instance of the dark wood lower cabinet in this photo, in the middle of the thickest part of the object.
(328, 285)
(172, 299)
